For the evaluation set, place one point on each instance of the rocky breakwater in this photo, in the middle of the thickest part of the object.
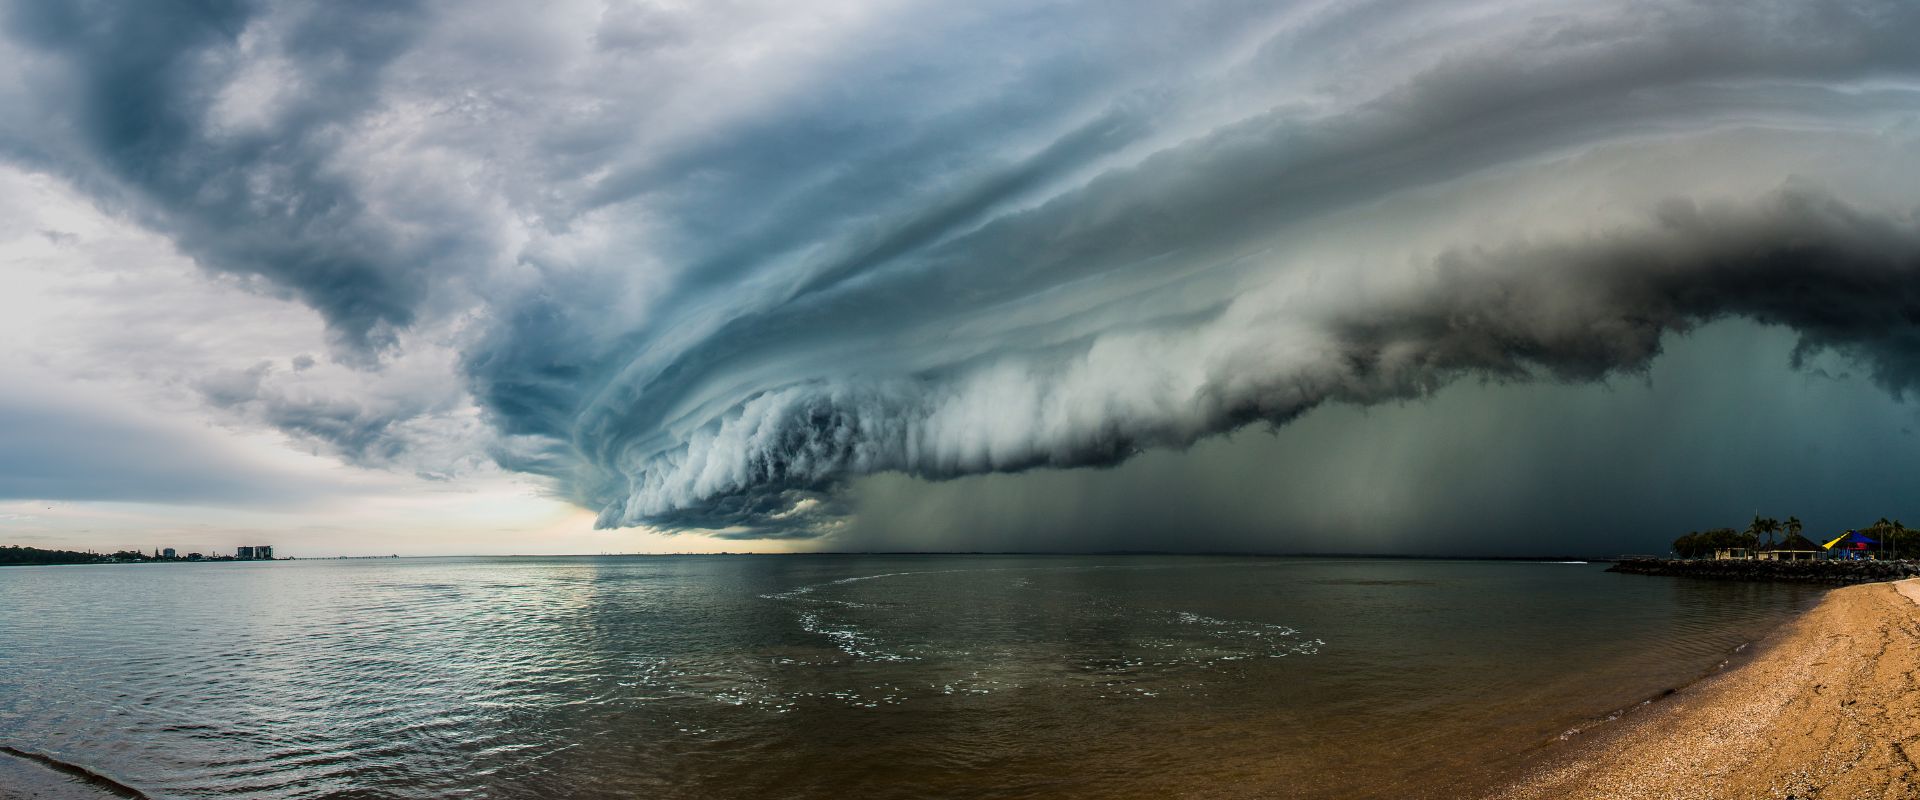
(1831, 573)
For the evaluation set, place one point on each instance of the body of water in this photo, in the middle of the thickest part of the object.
(841, 676)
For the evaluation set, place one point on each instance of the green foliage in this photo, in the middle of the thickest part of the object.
(15, 554)
(1700, 544)
(1763, 527)
(1896, 539)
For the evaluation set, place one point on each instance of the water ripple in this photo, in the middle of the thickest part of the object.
(754, 677)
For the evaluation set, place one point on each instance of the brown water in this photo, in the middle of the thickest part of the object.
(841, 676)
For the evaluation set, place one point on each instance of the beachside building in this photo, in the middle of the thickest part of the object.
(263, 551)
(1733, 554)
(1794, 548)
(243, 554)
(167, 553)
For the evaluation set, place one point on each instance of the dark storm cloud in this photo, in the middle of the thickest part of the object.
(849, 374)
(707, 268)
(1845, 279)
(1576, 310)
(1719, 428)
(124, 97)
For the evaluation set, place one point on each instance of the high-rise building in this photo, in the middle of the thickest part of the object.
(167, 553)
(244, 554)
(263, 551)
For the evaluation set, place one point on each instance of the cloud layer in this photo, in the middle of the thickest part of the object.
(704, 267)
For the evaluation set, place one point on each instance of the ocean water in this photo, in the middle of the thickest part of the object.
(842, 676)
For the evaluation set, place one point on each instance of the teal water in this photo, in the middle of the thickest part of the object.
(841, 676)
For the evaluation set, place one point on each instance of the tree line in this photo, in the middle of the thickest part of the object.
(1895, 538)
(13, 554)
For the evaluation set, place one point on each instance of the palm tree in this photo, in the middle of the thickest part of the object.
(1794, 527)
(1754, 529)
(1771, 526)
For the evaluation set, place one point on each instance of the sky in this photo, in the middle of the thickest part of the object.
(1467, 277)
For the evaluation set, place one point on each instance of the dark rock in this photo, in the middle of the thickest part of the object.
(1831, 573)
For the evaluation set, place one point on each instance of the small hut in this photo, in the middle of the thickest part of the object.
(1794, 548)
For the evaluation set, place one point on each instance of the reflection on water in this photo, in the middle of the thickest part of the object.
(839, 676)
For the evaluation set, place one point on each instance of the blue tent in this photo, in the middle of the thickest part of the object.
(1851, 543)
(1851, 540)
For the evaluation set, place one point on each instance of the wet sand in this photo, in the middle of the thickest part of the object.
(23, 779)
(1828, 707)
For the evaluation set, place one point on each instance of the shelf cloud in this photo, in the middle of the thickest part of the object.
(704, 267)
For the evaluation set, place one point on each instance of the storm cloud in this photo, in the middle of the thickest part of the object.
(704, 268)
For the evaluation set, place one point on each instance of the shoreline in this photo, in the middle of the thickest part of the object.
(1826, 706)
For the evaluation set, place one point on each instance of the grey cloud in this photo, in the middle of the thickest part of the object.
(849, 374)
(1580, 310)
(229, 388)
(360, 433)
(365, 426)
(1719, 428)
(993, 241)
(125, 99)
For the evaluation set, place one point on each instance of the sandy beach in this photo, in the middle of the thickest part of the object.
(1829, 707)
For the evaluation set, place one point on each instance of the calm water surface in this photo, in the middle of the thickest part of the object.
(840, 676)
